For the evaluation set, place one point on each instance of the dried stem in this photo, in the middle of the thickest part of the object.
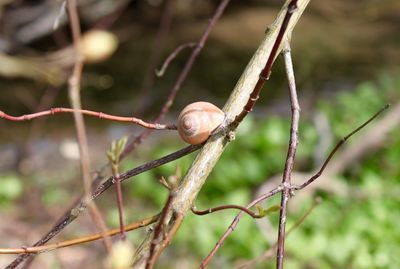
(100, 115)
(81, 240)
(293, 142)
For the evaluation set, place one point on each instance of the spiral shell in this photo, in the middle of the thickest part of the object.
(198, 120)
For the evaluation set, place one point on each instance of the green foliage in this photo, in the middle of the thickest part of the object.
(10, 189)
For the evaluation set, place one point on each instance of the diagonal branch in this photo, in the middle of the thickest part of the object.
(207, 158)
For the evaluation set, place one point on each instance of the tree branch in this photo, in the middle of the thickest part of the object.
(207, 158)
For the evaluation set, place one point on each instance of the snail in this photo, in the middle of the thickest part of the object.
(198, 120)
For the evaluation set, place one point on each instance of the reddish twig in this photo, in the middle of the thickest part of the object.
(338, 145)
(293, 142)
(160, 72)
(100, 115)
(264, 75)
(224, 207)
(234, 223)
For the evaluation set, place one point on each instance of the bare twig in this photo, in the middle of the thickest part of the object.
(160, 72)
(338, 145)
(81, 240)
(293, 142)
(100, 115)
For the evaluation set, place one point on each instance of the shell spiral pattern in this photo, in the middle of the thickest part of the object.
(197, 121)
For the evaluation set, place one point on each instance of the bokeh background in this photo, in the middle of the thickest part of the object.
(347, 67)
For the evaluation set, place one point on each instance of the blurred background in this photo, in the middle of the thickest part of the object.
(346, 65)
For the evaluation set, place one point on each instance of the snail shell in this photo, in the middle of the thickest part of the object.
(197, 121)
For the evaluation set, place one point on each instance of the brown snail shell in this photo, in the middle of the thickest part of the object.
(197, 121)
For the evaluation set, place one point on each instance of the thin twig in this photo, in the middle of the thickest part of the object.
(291, 154)
(234, 223)
(224, 207)
(160, 72)
(81, 240)
(338, 145)
(100, 115)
